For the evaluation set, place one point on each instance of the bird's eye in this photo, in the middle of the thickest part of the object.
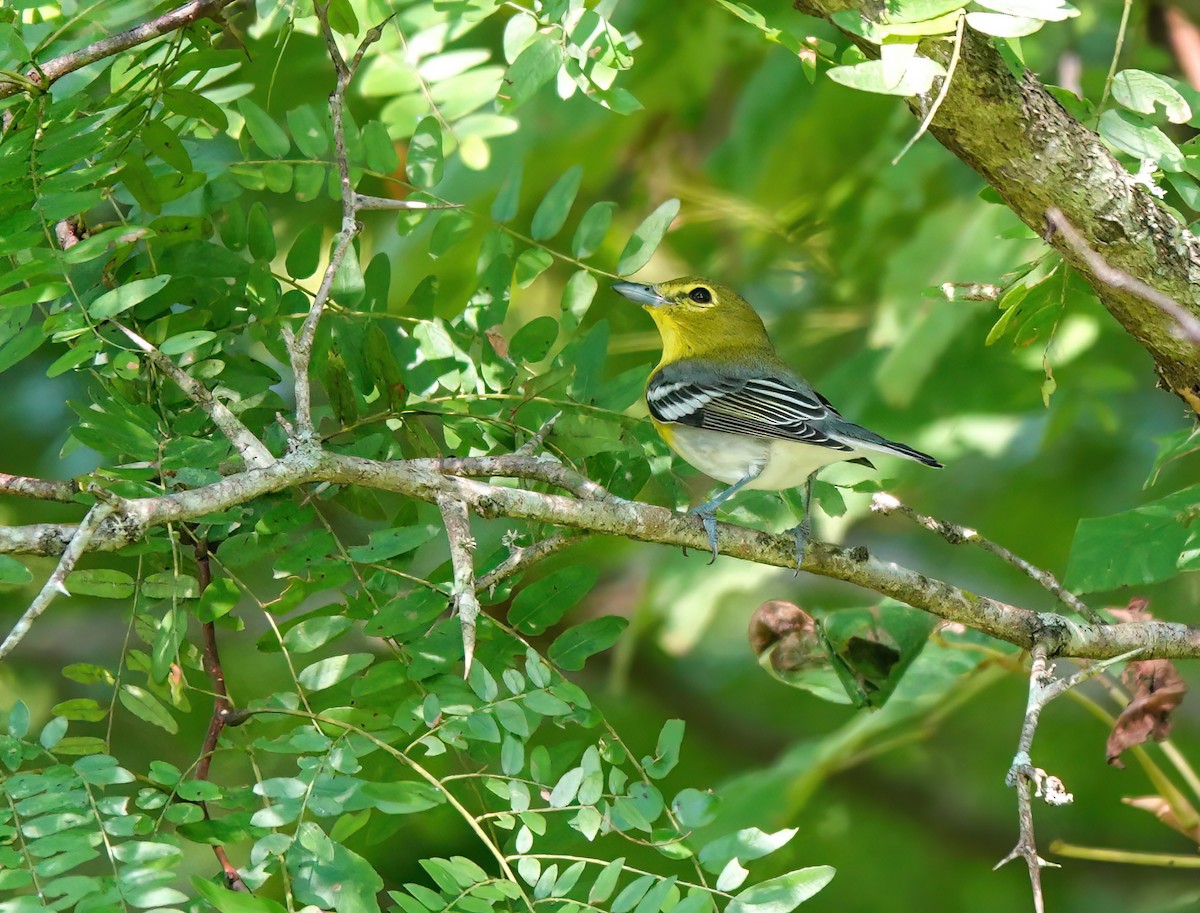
(700, 295)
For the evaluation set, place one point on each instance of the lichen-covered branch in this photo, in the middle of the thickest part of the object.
(1037, 157)
(42, 75)
(613, 516)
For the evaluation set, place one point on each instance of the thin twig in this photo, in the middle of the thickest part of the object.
(942, 92)
(300, 345)
(1031, 781)
(462, 557)
(521, 557)
(1187, 325)
(365, 201)
(56, 583)
(884, 503)
(39, 489)
(222, 708)
(252, 450)
(43, 75)
(1116, 57)
(535, 443)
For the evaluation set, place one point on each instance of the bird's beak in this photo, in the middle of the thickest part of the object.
(646, 295)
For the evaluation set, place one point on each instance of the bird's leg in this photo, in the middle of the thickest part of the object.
(707, 512)
(802, 532)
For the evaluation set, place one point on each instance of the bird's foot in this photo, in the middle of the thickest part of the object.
(801, 533)
(709, 518)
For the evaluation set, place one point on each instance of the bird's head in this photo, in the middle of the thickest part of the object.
(698, 317)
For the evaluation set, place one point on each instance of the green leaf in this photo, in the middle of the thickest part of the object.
(217, 600)
(533, 68)
(1002, 26)
(782, 894)
(260, 234)
(101, 770)
(543, 603)
(632, 893)
(1046, 10)
(53, 732)
(403, 797)
(146, 706)
(378, 148)
(646, 238)
(304, 256)
(532, 342)
(666, 753)
(606, 881)
(552, 212)
(101, 582)
(425, 161)
(124, 297)
(269, 136)
(572, 648)
(1140, 91)
(13, 572)
(227, 901)
(920, 10)
(746, 845)
(166, 144)
(694, 808)
(1130, 135)
(313, 633)
(871, 76)
(1133, 548)
(18, 720)
(185, 342)
(594, 225)
(531, 264)
(389, 543)
(564, 791)
(508, 200)
(328, 672)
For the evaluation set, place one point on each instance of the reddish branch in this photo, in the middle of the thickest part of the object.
(41, 76)
(221, 708)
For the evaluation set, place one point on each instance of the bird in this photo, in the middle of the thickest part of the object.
(723, 399)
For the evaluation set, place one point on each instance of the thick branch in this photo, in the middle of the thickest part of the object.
(45, 74)
(632, 520)
(1036, 156)
(38, 489)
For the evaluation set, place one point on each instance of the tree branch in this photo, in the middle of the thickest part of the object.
(251, 449)
(1036, 156)
(462, 558)
(631, 520)
(885, 504)
(38, 489)
(76, 545)
(43, 75)
(300, 346)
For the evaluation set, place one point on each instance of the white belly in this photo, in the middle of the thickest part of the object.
(729, 458)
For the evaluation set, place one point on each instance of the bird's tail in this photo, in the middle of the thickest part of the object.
(869, 440)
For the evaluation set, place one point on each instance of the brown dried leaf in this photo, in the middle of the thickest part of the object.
(787, 634)
(1136, 611)
(1157, 690)
(499, 343)
(1160, 808)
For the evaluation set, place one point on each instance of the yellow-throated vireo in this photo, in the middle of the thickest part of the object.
(724, 400)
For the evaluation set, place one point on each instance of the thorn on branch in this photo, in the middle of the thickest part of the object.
(462, 558)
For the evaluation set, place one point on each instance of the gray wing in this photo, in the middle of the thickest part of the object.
(757, 406)
(778, 406)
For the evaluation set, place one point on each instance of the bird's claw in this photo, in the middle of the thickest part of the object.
(709, 519)
(801, 533)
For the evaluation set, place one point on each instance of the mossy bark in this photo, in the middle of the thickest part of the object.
(1037, 156)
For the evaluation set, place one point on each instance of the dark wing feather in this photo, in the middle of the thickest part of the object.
(761, 407)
